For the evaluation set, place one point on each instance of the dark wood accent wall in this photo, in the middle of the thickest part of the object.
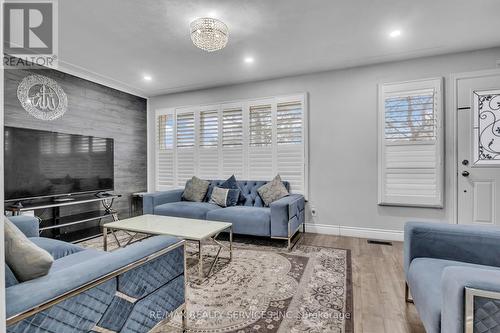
(94, 110)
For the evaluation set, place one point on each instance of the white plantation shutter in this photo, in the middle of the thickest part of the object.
(290, 142)
(260, 150)
(185, 144)
(165, 150)
(410, 117)
(289, 122)
(411, 144)
(185, 130)
(254, 140)
(209, 128)
(261, 125)
(232, 141)
(208, 151)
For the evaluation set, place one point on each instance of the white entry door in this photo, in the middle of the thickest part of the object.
(478, 139)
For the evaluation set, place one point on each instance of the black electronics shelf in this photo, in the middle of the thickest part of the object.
(52, 227)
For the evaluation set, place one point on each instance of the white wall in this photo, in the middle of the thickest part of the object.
(2, 247)
(343, 135)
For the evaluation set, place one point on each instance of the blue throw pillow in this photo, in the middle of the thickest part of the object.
(230, 183)
(233, 184)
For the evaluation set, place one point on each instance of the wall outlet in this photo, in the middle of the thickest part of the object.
(314, 212)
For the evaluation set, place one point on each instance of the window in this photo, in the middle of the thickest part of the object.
(289, 123)
(486, 113)
(232, 127)
(261, 125)
(410, 117)
(233, 151)
(411, 144)
(290, 141)
(165, 150)
(208, 152)
(185, 130)
(185, 152)
(209, 128)
(254, 140)
(166, 131)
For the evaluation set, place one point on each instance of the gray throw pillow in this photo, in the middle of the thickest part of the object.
(24, 258)
(195, 189)
(272, 191)
(224, 197)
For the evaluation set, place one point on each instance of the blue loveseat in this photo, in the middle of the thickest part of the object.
(281, 220)
(448, 266)
(86, 290)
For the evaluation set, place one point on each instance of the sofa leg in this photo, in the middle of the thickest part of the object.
(298, 235)
(184, 315)
(408, 299)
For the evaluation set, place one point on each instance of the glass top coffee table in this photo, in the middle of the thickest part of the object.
(189, 229)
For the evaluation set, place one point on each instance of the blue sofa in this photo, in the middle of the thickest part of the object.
(86, 290)
(453, 274)
(280, 221)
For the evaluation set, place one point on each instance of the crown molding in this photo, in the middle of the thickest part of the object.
(89, 75)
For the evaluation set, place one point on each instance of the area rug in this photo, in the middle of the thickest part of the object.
(266, 289)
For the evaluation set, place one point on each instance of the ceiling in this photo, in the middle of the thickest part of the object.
(121, 41)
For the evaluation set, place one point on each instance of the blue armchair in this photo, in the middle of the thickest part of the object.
(281, 220)
(128, 290)
(453, 275)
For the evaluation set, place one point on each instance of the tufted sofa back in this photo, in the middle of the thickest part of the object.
(249, 190)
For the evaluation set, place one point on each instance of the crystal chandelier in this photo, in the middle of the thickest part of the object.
(209, 34)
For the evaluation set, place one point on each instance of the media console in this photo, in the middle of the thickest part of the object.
(51, 227)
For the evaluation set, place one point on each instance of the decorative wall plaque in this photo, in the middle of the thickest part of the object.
(486, 141)
(42, 97)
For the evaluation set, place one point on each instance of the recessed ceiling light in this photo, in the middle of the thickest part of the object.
(395, 33)
(147, 78)
(249, 60)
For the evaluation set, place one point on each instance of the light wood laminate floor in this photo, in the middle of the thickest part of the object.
(378, 283)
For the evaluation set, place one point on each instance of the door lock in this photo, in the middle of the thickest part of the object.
(465, 173)
(465, 162)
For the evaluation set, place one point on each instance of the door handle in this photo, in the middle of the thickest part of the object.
(465, 173)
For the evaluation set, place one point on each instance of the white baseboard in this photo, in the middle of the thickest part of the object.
(338, 230)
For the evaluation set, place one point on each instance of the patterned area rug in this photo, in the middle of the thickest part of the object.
(266, 289)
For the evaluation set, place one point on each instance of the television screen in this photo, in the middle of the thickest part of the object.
(43, 164)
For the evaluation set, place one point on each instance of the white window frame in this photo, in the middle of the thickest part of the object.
(245, 105)
(385, 90)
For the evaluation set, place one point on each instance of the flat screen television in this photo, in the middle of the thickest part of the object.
(42, 164)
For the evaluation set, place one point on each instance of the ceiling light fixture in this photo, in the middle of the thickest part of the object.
(395, 33)
(147, 78)
(249, 60)
(209, 34)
